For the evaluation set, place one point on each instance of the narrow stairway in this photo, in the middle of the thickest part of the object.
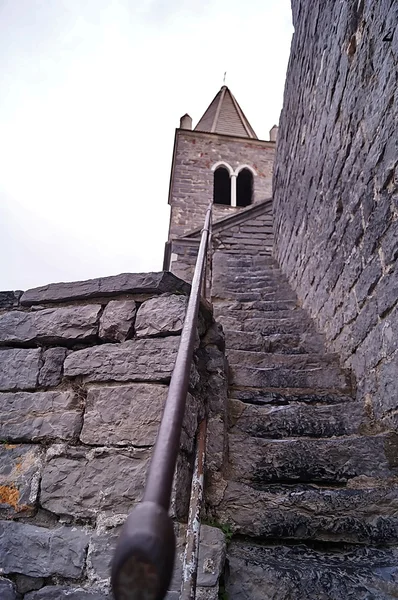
(309, 490)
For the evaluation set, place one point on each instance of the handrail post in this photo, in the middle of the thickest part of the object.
(143, 562)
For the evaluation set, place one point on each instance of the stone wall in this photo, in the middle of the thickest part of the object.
(191, 187)
(336, 185)
(249, 230)
(84, 373)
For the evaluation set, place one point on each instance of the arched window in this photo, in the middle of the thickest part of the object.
(244, 188)
(222, 186)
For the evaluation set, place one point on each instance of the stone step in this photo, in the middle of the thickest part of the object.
(364, 512)
(319, 377)
(302, 343)
(282, 397)
(224, 259)
(259, 462)
(268, 360)
(301, 572)
(266, 315)
(285, 324)
(222, 307)
(251, 296)
(296, 420)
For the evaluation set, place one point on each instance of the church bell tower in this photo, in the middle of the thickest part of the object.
(222, 161)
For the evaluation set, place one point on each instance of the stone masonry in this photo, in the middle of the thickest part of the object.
(191, 186)
(84, 372)
(336, 186)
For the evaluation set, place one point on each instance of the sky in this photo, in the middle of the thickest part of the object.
(91, 92)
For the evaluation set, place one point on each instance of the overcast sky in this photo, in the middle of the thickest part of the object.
(90, 94)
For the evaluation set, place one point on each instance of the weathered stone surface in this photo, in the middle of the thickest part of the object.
(51, 325)
(281, 572)
(335, 200)
(333, 460)
(20, 468)
(212, 551)
(7, 589)
(10, 299)
(38, 416)
(296, 420)
(364, 512)
(279, 377)
(135, 360)
(51, 371)
(19, 368)
(278, 397)
(131, 414)
(117, 320)
(101, 551)
(27, 584)
(57, 592)
(82, 483)
(126, 414)
(103, 287)
(40, 552)
(161, 316)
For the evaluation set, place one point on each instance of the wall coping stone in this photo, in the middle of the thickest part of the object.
(125, 283)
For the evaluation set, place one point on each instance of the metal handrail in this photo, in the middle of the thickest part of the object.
(144, 558)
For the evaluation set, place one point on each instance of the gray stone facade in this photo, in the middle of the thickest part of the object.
(191, 187)
(336, 186)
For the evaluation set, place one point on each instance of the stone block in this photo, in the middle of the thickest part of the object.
(7, 590)
(101, 551)
(9, 299)
(117, 320)
(126, 414)
(20, 470)
(105, 287)
(58, 592)
(83, 483)
(131, 414)
(135, 360)
(51, 372)
(212, 550)
(51, 325)
(40, 552)
(161, 316)
(19, 368)
(32, 417)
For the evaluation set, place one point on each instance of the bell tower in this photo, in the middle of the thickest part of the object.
(222, 161)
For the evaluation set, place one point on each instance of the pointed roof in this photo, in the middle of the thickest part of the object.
(225, 116)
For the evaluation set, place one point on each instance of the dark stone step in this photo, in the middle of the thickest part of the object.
(259, 462)
(295, 313)
(284, 324)
(303, 343)
(302, 573)
(225, 306)
(251, 296)
(279, 377)
(266, 360)
(365, 513)
(296, 420)
(280, 397)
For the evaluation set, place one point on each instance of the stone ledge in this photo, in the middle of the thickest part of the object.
(125, 283)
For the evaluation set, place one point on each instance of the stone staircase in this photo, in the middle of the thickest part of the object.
(309, 488)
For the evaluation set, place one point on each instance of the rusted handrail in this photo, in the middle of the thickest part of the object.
(144, 557)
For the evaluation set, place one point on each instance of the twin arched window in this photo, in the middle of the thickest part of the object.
(232, 189)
